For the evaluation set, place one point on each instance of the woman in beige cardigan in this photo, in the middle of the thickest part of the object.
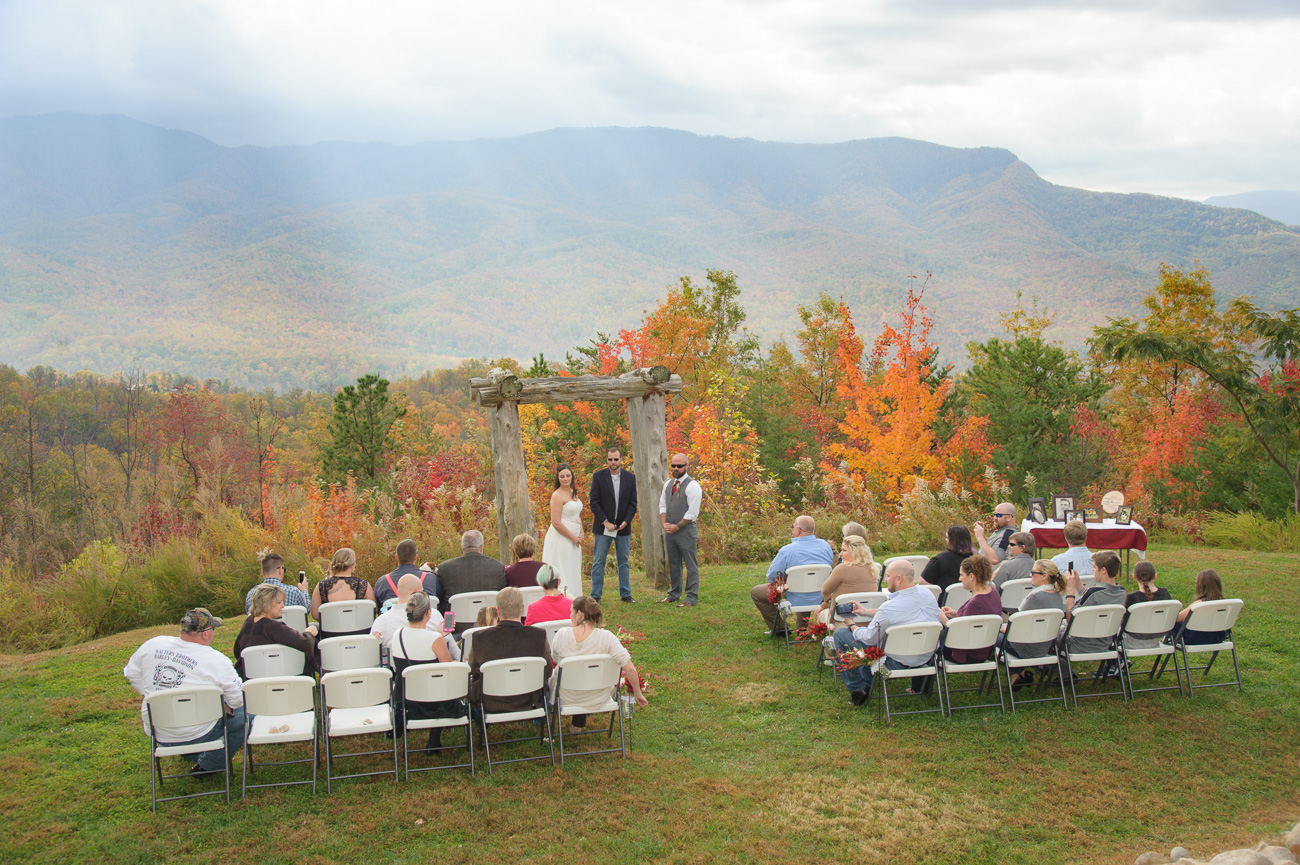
(857, 572)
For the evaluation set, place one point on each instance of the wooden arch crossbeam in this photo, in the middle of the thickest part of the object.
(501, 392)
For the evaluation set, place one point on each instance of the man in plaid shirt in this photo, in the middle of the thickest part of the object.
(273, 572)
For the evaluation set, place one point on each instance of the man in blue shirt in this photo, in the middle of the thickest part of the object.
(908, 604)
(805, 548)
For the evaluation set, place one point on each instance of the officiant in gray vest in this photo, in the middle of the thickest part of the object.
(679, 508)
(613, 505)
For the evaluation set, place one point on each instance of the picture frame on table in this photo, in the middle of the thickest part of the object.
(1124, 516)
(1071, 516)
(1091, 515)
(1062, 505)
(1038, 511)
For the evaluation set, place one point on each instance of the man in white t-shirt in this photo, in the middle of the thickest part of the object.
(163, 663)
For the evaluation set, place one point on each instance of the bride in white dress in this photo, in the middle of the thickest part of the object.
(562, 548)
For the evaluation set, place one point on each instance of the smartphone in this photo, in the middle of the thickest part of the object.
(449, 621)
(842, 610)
(302, 576)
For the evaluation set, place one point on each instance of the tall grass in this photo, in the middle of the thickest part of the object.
(1252, 531)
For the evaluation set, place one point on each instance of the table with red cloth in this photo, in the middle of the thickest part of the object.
(1104, 535)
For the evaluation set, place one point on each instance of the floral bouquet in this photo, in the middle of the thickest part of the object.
(776, 591)
(814, 630)
(851, 659)
(627, 637)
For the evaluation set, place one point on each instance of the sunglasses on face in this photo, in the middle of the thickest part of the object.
(677, 466)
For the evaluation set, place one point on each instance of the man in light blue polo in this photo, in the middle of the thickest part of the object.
(908, 604)
(805, 548)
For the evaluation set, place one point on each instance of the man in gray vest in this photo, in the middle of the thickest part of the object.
(679, 508)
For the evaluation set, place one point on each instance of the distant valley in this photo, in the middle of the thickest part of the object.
(123, 243)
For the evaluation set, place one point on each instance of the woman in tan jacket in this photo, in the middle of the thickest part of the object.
(857, 572)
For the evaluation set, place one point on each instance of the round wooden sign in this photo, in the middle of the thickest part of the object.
(1111, 501)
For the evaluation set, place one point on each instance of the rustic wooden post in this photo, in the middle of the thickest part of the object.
(643, 390)
(514, 508)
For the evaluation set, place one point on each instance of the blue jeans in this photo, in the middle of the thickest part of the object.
(859, 678)
(622, 546)
(210, 761)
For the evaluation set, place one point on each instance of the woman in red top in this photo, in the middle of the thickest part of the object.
(551, 606)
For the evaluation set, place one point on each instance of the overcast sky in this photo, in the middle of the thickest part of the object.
(1189, 97)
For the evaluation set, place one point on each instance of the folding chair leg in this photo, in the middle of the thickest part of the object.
(1236, 668)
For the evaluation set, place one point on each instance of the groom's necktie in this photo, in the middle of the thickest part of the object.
(676, 486)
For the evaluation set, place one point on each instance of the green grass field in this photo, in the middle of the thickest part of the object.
(744, 754)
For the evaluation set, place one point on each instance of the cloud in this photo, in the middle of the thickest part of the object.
(1192, 98)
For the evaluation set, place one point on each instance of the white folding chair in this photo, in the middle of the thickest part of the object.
(971, 633)
(261, 662)
(509, 677)
(1101, 622)
(530, 594)
(295, 617)
(954, 596)
(346, 618)
(348, 653)
(933, 589)
(357, 703)
(197, 705)
(869, 600)
(918, 564)
(1146, 622)
(277, 711)
(1210, 616)
(590, 673)
(467, 641)
(804, 579)
(1033, 627)
(465, 606)
(436, 683)
(919, 639)
(552, 628)
(1014, 593)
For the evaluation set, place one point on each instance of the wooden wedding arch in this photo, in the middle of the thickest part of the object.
(642, 390)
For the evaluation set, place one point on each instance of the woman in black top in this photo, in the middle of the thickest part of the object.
(945, 569)
(1145, 574)
(264, 627)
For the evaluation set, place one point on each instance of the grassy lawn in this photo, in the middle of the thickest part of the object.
(744, 754)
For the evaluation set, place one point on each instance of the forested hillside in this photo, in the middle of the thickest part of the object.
(125, 244)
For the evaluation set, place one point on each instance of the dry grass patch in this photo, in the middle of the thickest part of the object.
(758, 694)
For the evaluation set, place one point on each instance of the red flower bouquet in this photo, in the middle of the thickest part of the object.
(776, 590)
(814, 630)
(851, 659)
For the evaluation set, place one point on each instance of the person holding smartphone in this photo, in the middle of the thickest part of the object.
(389, 622)
(273, 572)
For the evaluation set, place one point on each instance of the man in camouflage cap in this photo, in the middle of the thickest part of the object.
(181, 661)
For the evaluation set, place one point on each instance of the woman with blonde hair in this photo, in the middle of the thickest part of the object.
(264, 627)
(857, 572)
(340, 585)
(1048, 594)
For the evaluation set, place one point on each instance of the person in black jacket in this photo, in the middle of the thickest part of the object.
(613, 505)
(508, 638)
(264, 627)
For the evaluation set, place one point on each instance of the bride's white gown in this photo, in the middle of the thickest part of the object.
(562, 554)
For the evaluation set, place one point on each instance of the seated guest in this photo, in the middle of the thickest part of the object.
(996, 547)
(857, 572)
(487, 617)
(509, 638)
(908, 604)
(1019, 561)
(471, 571)
(805, 548)
(1209, 587)
(386, 586)
(273, 574)
(945, 569)
(420, 641)
(523, 573)
(587, 637)
(263, 627)
(1145, 574)
(551, 606)
(977, 577)
(181, 662)
(1048, 594)
(1105, 568)
(1078, 556)
(340, 585)
(851, 528)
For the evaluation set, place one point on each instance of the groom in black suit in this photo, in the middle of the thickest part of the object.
(613, 505)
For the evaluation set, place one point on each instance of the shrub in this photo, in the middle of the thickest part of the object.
(176, 582)
(100, 591)
(28, 621)
(1252, 531)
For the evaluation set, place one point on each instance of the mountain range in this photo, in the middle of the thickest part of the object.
(123, 243)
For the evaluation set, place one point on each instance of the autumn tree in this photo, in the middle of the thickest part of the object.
(360, 429)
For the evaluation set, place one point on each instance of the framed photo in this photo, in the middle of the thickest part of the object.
(1091, 515)
(1061, 505)
(1124, 516)
(1038, 511)
(1071, 516)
